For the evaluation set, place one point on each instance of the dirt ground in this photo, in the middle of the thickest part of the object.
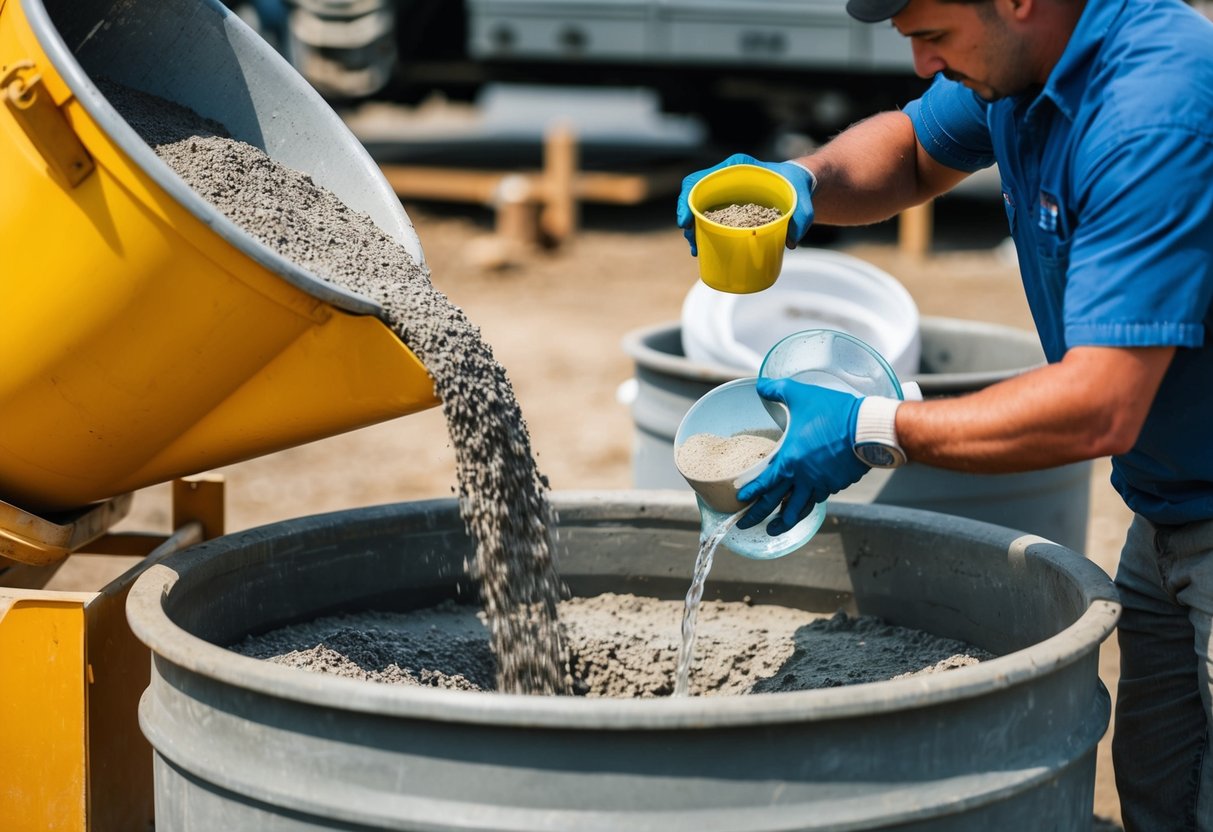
(555, 321)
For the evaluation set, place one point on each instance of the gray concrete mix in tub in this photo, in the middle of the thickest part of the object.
(622, 646)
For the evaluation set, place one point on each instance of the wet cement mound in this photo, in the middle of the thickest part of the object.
(622, 646)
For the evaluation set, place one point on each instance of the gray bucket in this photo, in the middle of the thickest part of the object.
(958, 356)
(1008, 744)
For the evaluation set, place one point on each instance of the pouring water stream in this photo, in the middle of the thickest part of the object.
(710, 538)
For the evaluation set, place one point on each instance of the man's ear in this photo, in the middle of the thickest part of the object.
(1017, 10)
(1014, 11)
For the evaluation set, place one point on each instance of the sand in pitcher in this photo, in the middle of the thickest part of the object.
(705, 456)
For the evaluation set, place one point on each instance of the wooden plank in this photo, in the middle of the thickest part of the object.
(628, 188)
(558, 218)
(454, 184)
(914, 230)
(461, 185)
(533, 207)
(517, 212)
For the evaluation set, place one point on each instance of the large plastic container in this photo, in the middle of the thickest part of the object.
(816, 289)
(1005, 745)
(145, 335)
(957, 356)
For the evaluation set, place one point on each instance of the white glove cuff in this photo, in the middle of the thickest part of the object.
(876, 432)
(812, 176)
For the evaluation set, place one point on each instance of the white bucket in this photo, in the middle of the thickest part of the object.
(816, 289)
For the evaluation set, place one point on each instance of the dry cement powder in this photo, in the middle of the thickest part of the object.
(706, 456)
(502, 495)
(623, 646)
(747, 215)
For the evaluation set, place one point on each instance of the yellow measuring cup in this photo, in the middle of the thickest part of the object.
(741, 260)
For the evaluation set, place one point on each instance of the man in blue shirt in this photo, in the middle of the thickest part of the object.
(1099, 115)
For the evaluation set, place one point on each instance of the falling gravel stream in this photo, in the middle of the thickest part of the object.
(502, 495)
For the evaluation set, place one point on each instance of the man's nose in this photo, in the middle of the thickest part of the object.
(926, 60)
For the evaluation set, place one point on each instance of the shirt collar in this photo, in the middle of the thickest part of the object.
(1068, 81)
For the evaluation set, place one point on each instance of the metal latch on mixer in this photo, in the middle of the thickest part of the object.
(35, 110)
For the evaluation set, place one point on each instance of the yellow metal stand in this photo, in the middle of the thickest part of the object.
(72, 756)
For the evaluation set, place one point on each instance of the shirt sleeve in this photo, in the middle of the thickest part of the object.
(1141, 261)
(950, 122)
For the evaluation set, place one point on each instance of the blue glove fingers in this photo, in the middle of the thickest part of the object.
(801, 220)
(766, 479)
(685, 218)
(795, 508)
(766, 495)
(683, 215)
(774, 389)
(816, 451)
(738, 159)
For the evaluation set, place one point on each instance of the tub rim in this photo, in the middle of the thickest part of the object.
(167, 641)
(679, 366)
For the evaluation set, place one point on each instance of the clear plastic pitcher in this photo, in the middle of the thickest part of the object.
(728, 410)
(817, 356)
(833, 359)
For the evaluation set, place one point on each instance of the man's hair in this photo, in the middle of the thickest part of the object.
(987, 6)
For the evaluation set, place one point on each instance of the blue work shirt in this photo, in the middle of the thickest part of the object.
(1107, 179)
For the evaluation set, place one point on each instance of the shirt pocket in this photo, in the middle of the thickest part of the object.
(1051, 231)
(1053, 257)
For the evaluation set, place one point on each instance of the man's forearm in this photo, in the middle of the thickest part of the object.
(1092, 403)
(872, 171)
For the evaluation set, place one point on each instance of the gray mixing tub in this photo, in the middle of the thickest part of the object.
(1005, 745)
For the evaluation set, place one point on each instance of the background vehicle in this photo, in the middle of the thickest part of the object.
(746, 67)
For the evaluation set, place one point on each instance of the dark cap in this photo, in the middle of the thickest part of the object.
(874, 11)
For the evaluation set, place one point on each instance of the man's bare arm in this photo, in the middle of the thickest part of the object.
(874, 170)
(1090, 404)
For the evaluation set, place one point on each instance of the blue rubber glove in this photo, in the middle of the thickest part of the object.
(816, 459)
(801, 218)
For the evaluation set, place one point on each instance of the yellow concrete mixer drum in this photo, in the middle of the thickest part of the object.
(143, 335)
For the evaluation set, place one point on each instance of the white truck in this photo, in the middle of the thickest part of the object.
(744, 66)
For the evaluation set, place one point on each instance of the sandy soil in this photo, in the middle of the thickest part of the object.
(555, 321)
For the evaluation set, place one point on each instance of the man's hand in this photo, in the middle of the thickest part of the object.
(800, 178)
(817, 457)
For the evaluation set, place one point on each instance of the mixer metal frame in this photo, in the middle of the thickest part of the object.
(72, 756)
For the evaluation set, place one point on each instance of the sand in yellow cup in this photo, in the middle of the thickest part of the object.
(741, 260)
